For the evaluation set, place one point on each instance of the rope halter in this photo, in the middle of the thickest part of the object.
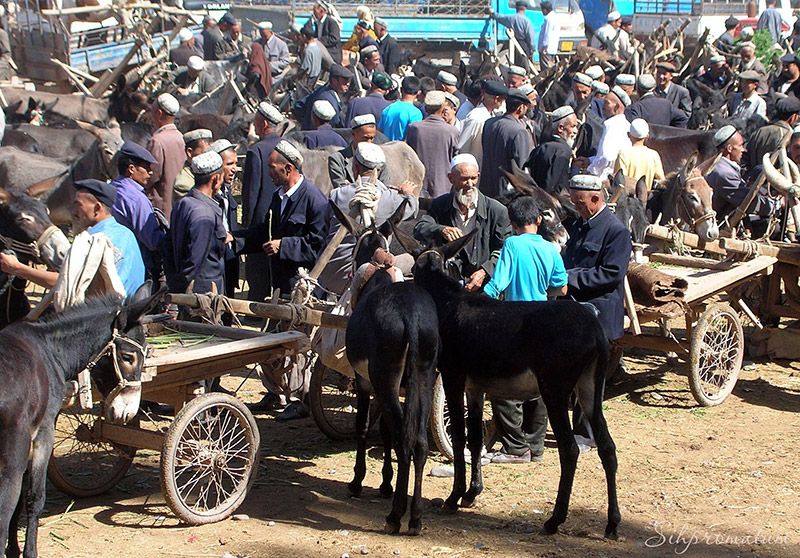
(32, 249)
(111, 348)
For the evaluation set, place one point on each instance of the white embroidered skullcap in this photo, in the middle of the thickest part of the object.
(639, 128)
(463, 158)
(646, 82)
(517, 71)
(747, 31)
(722, 135)
(796, 129)
(594, 72)
(614, 16)
(363, 120)
(585, 182)
(185, 35)
(447, 78)
(370, 155)
(219, 146)
(198, 134)
(452, 98)
(621, 95)
(290, 153)
(323, 110)
(434, 99)
(526, 89)
(560, 113)
(367, 50)
(196, 63)
(746, 43)
(625, 79)
(265, 25)
(270, 112)
(382, 22)
(208, 162)
(600, 88)
(168, 104)
(716, 59)
(583, 79)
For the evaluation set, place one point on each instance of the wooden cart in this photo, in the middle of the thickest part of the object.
(209, 453)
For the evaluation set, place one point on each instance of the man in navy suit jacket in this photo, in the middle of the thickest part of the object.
(326, 29)
(339, 83)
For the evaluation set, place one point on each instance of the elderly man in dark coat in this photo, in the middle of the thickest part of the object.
(435, 142)
(257, 192)
(389, 49)
(327, 28)
(549, 164)
(323, 135)
(456, 214)
(769, 138)
(672, 92)
(340, 164)
(505, 139)
(788, 82)
(653, 109)
(332, 92)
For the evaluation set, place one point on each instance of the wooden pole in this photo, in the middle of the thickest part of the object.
(740, 212)
(72, 76)
(689, 261)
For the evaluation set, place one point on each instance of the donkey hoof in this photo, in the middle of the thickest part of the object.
(450, 506)
(467, 502)
(391, 528)
(353, 490)
(386, 490)
(611, 533)
(549, 528)
(415, 528)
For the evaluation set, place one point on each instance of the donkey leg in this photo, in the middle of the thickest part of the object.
(386, 472)
(421, 455)
(475, 435)
(42, 448)
(393, 415)
(454, 392)
(10, 508)
(568, 458)
(362, 426)
(13, 550)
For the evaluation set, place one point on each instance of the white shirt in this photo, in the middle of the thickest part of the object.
(614, 139)
(469, 140)
(466, 224)
(284, 196)
(754, 104)
(608, 33)
(548, 35)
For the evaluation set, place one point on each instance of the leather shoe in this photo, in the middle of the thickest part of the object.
(502, 457)
(267, 403)
(294, 410)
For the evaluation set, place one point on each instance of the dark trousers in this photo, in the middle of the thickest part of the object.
(256, 269)
(521, 425)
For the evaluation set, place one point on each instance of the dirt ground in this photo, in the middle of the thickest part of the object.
(693, 481)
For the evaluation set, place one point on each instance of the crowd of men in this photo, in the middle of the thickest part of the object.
(174, 215)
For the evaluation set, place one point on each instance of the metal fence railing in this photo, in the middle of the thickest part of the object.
(692, 7)
(385, 8)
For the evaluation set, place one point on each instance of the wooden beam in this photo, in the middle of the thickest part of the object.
(655, 342)
(689, 261)
(691, 240)
(73, 77)
(128, 436)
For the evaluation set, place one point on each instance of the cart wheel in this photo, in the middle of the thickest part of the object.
(81, 464)
(440, 421)
(209, 458)
(333, 403)
(716, 354)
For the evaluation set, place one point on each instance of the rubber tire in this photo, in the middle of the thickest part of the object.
(441, 436)
(169, 457)
(97, 484)
(339, 431)
(698, 349)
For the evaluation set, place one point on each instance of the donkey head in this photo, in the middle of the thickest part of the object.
(629, 206)
(368, 239)
(25, 221)
(692, 199)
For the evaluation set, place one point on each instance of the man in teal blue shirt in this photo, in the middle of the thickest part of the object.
(396, 117)
(529, 269)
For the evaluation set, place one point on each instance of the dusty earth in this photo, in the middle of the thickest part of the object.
(693, 481)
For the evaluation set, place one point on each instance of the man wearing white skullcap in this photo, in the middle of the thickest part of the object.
(549, 164)
(638, 160)
(615, 133)
(716, 74)
(188, 47)
(194, 80)
(323, 135)
(340, 163)
(167, 147)
(608, 36)
(435, 142)
(275, 48)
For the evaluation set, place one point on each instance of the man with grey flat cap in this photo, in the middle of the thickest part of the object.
(747, 102)
(168, 149)
(332, 92)
(653, 109)
(771, 137)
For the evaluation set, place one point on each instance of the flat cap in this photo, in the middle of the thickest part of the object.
(788, 105)
(337, 70)
(382, 22)
(731, 22)
(517, 71)
(367, 50)
(639, 128)
(522, 3)
(583, 79)
(595, 72)
(185, 35)
(228, 18)
(434, 98)
(463, 158)
(518, 95)
(585, 182)
(722, 135)
(136, 151)
(382, 81)
(750, 75)
(290, 152)
(447, 78)
(220, 145)
(667, 66)
(103, 191)
(527, 88)
(363, 120)
(621, 95)
(492, 87)
(560, 113)
(614, 16)
(453, 99)
(196, 63)
(208, 162)
(716, 59)
(264, 25)
(370, 155)
(790, 58)
(270, 112)
(646, 82)
(323, 110)
(627, 20)
(168, 104)
(364, 24)
(625, 79)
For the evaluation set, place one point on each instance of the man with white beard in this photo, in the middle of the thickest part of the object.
(549, 164)
(458, 213)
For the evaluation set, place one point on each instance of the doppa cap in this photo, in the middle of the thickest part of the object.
(220, 145)
(583, 79)
(382, 81)
(462, 158)
(585, 182)
(639, 128)
(367, 50)
(595, 72)
(625, 79)
(370, 155)
(363, 120)
(560, 113)
(185, 35)
(208, 162)
(434, 98)
(614, 16)
(447, 78)
(621, 95)
(168, 104)
(722, 135)
(290, 153)
(270, 112)
(517, 71)
(382, 22)
(265, 25)
(196, 63)
(600, 88)
(323, 110)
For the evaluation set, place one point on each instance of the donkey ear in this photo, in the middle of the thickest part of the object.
(139, 305)
(641, 189)
(408, 242)
(452, 248)
(397, 217)
(619, 179)
(354, 227)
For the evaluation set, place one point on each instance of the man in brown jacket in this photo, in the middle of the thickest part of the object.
(435, 142)
(168, 149)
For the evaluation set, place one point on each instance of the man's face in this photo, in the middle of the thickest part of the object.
(371, 62)
(380, 30)
(319, 11)
(360, 32)
(586, 202)
(735, 148)
(747, 54)
(663, 77)
(794, 148)
(567, 128)
(717, 69)
(616, 24)
(627, 27)
(790, 71)
(140, 172)
(491, 102)
(449, 112)
(627, 88)
(363, 134)
(611, 106)
(278, 170)
(229, 167)
(236, 30)
(581, 91)
(515, 81)
(464, 178)
(84, 212)
(747, 86)
(340, 84)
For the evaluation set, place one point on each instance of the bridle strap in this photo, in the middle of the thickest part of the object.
(32, 249)
(111, 348)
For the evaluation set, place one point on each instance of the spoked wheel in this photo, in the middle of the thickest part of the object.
(440, 421)
(715, 355)
(83, 465)
(209, 458)
(333, 403)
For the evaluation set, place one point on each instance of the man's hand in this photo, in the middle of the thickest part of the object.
(272, 248)
(477, 280)
(449, 234)
(228, 238)
(9, 263)
(407, 188)
(581, 162)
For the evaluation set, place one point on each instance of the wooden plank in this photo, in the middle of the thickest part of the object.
(691, 240)
(219, 331)
(630, 307)
(690, 261)
(705, 283)
(128, 435)
(655, 342)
